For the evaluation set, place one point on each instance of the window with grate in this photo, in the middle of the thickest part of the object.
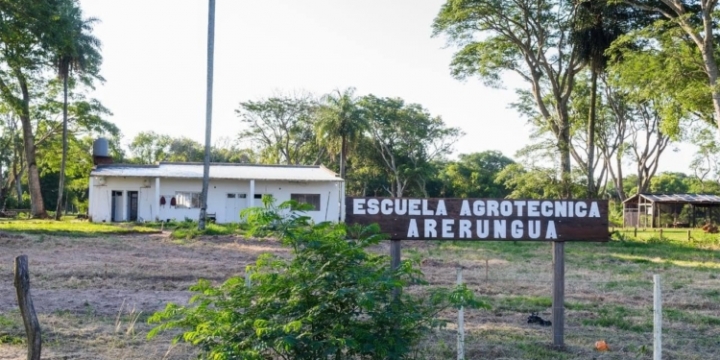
(311, 199)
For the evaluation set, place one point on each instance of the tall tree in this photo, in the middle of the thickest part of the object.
(407, 139)
(698, 20)
(530, 38)
(282, 128)
(340, 124)
(598, 23)
(25, 49)
(77, 51)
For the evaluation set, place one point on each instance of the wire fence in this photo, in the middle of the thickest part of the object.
(614, 308)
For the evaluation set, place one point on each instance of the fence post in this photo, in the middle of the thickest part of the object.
(657, 318)
(461, 322)
(27, 309)
(661, 231)
(635, 234)
(688, 239)
(247, 279)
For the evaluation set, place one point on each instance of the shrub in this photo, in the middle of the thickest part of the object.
(332, 299)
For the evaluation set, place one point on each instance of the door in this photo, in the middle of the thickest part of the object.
(132, 205)
(116, 206)
(233, 204)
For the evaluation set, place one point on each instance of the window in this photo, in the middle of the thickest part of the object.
(258, 196)
(310, 199)
(187, 200)
(231, 196)
(238, 196)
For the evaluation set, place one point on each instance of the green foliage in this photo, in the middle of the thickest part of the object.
(473, 175)
(332, 299)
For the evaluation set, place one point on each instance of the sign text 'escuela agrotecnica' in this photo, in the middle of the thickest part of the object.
(482, 219)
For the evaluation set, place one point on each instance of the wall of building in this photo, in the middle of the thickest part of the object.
(225, 210)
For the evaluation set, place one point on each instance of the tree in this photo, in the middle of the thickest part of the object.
(78, 51)
(597, 25)
(529, 38)
(473, 175)
(407, 139)
(706, 162)
(148, 147)
(282, 128)
(698, 21)
(25, 45)
(340, 124)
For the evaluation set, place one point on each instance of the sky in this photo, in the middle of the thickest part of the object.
(155, 60)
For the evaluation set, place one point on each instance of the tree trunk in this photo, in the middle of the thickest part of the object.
(591, 138)
(37, 207)
(565, 165)
(61, 185)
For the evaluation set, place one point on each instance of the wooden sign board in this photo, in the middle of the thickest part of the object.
(482, 219)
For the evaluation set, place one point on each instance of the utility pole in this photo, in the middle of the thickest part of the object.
(208, 115)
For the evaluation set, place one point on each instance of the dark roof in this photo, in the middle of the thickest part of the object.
(706, 199)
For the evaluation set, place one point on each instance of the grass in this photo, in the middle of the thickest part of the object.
(73, 228)
(608, 291)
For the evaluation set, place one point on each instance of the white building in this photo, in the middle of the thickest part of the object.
(120, 192)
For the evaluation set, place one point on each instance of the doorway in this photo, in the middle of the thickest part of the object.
(132, 205)
(233, 204)
(116, 206)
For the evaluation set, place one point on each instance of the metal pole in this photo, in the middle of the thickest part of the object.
(208, 114)
(461, 323)
(657, 318)
(558, 304)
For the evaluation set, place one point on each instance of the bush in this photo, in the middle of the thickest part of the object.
(332, 299)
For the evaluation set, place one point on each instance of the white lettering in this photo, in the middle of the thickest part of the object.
(465, 232)
(358, 208)
(570, 209)
(430, 228)
(520, 205)
(386, 206)
(580, 209)
(492, 208)
(414, 207)
(561, 209)
(594, 210)
(465, 209)
(550, 233)
(499, 229)
(373, 206)
(413, 229)
(516, 229)
(506, 208)
(546, 209)
(425, 210)
(534, 230)
(478, 208)
(483, 228)
(447, 225)
(533, 208)
(400, 206)
(441, 208)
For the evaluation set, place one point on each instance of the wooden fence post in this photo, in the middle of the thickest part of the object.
(461, 322)
(27, 310)
(558, 300)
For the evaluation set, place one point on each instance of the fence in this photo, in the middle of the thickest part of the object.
(609, 298)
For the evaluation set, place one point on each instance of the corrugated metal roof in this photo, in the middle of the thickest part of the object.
(219, 171)
(680, 198)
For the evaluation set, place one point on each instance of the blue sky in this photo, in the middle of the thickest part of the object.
(155, 56)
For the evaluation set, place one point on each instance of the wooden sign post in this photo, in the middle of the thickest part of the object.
(555, 221)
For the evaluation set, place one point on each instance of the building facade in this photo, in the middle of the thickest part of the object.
(171, 191)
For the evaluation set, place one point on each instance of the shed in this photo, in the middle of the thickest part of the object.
(171, 191)
(671, 210)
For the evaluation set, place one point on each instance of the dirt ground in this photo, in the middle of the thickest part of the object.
(93, 297)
